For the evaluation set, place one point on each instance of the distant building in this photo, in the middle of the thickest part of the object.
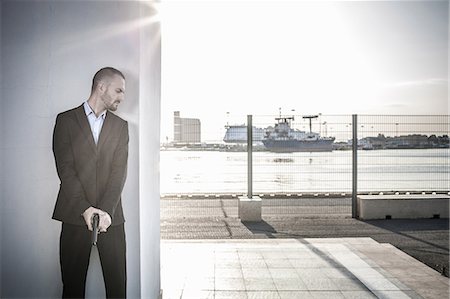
(186, 130)
(403, 142)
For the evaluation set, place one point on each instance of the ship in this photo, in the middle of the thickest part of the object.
(238, 134)
(283, 139)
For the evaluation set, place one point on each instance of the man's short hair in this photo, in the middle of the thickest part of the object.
(104, 73)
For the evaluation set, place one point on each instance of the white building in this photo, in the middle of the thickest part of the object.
(186, 130)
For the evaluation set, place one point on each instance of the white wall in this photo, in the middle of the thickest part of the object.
(149, 125)
(1, 160)
(50, 51)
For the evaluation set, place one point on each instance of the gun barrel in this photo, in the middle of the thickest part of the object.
(95, 221)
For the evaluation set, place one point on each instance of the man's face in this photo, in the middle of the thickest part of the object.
(113, 93)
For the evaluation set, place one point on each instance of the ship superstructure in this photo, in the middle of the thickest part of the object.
(238, 134)
(282, 138)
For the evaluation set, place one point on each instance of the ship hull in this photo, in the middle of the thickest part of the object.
(289, 146)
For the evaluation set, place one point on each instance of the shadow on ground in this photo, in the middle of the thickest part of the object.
(261, 228)
(424, 239)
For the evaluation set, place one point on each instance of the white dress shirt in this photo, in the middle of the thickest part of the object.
(95, 122)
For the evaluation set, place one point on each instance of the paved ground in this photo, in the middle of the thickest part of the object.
(294, 268)
(426, 240)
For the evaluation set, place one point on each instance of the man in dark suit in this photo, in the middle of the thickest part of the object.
(90, 145)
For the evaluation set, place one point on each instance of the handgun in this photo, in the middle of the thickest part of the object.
(95, 220)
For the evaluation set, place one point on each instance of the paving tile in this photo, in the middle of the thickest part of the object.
(263, 295)
(283, 273)
(256, 273)
(391, 295)
(308, 263)
(326, 295)
(249, 255)
(346, 284)
(432, 293)
(320, 253)
(259, 284)
(358, 294)
(368, 261)
(400, 285)
(414, 295)
(367, 273)
(229, 284)
(383, 272)
(278, 263)
(290, 284)
(384, 260)
(313, 272)
(410, 273)
(334, 273)
(323, 240)
(362, 241)
(286, 268)
(253, 263)
(444, 280)
(425, 284)
(351, 263)
(294, 295)
(379, 284)
(295, 254)
(320, 284)
(271, 254)
(230, 295)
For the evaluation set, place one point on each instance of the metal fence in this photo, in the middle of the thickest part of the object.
(403, 153)
(289, 167)
(395, 154)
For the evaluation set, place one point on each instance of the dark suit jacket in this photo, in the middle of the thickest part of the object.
(90, 174)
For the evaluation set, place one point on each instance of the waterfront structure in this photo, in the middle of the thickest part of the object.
(186, 130)
(413, 141)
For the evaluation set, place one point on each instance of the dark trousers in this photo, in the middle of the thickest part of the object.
(75, 250)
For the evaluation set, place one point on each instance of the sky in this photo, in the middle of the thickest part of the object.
(222, 60)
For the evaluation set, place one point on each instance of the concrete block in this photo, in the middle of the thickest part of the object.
(250, 208)
(411, 206)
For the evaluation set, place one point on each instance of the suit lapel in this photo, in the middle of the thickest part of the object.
(85, 127)
(106, 128)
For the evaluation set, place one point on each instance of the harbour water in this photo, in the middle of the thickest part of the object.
(210, 172)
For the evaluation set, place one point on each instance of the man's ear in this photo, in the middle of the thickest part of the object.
(101, 86)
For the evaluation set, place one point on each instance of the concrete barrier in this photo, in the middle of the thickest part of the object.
(249, 209)
(407, 206)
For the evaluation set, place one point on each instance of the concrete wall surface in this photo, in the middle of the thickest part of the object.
(403, 206)
(50, 51)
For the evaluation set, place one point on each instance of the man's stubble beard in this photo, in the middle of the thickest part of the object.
(109, 107)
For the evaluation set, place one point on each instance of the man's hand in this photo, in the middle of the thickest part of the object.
(104, 223)
(89, 213)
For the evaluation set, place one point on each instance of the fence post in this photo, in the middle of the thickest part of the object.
(249, 208)
(249, 157)
(354, 164)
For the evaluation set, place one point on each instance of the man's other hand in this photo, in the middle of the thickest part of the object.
(89, 213)
(104, 223)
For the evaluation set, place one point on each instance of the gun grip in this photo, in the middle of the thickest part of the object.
(95, 220)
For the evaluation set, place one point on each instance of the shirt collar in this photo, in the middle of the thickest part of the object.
(88, 110)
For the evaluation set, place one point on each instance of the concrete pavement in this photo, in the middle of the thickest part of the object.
(294, 268)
